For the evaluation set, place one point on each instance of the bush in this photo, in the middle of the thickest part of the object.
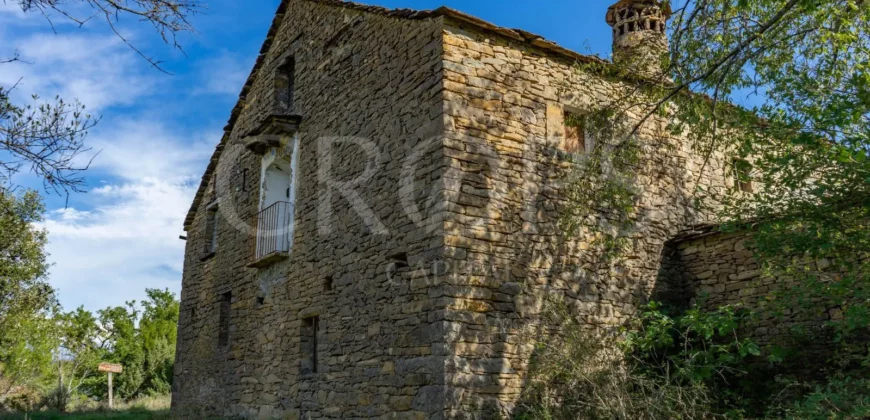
(840, 397)
(663, 367)
(686, 365)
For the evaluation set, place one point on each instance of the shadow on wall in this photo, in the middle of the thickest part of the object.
(497, 323)
(540, 264)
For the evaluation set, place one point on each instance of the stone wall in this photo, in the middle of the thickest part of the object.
(507, 257)
(720, 270)
(360, 74)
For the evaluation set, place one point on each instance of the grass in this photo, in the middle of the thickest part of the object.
(152, 408)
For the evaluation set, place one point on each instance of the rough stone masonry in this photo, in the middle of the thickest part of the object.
(380, 220)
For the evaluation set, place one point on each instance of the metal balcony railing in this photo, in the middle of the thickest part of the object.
(274, 232)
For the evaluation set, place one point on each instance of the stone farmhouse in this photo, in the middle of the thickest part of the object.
(379, 223)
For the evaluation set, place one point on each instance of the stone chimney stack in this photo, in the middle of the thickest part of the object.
(640, 41)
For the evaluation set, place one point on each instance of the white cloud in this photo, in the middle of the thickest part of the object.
(111, 253)
(138, 149)
(98, 70)
(10, 7)
(77, 15)
(224, 74)
(129, 240)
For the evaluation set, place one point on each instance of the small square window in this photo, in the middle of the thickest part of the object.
(574, 139)
(742, 173)
(285, 81)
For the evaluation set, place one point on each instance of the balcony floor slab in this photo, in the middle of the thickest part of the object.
(269, 259)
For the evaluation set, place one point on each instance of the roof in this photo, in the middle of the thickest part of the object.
(664, 5)
(703, 230)
(515, 34)
(697, 231)
(665, 8)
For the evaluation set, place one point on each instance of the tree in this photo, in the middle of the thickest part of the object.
(804, 144)
(26, 360)
(124, 348)
(147, 352)
(158, 330)
(55, 355)
(23, 285)
(80, 352)
(48, 138)
(26, 299)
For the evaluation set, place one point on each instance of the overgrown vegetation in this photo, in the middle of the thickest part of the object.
(48, 357)
(667, 364)
(54, 366)
(601, 193)
(663, 368)
(803, 145)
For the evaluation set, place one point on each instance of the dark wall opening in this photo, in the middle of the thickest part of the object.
(673, 286)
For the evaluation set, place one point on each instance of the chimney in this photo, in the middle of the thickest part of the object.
(640, 41)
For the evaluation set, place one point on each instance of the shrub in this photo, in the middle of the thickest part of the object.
(662, 367)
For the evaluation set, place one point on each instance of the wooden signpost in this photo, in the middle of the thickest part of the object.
(110, 368)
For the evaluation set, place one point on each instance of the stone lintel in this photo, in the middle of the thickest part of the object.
(269, 132)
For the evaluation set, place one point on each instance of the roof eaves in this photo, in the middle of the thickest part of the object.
(518, 35)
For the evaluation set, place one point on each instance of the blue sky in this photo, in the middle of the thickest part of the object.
(157, 131)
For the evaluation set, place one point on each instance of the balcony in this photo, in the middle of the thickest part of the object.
(274, 234)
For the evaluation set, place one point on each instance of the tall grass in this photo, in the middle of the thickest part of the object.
(582, 373)
(148, 408)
